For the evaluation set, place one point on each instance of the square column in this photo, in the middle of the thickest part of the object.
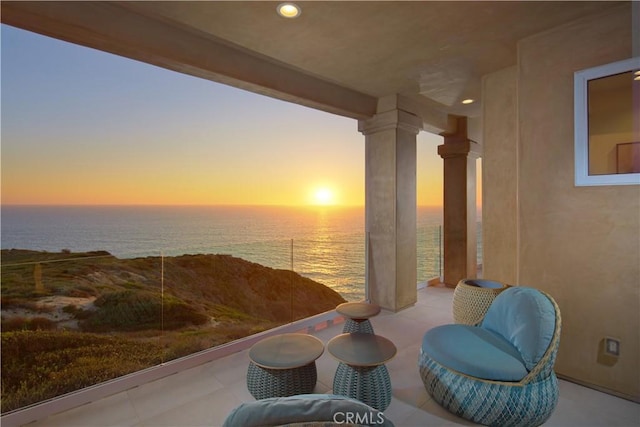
(460, 242)
(390, 208)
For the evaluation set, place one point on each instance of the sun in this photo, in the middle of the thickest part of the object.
(323, 196)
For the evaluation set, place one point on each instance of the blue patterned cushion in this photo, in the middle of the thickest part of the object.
(474, 351)
(305, 408)
(526, 318)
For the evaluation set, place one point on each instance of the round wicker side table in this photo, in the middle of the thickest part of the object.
(472, 298)
(357, 316)
(283, 365)
(361, 373)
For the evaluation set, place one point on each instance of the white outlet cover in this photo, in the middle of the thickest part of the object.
(612, 346)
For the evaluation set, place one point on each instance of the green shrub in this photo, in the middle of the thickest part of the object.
(124, 311)
(132, 310)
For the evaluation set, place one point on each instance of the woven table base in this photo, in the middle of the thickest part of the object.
(363, 326)
(264, 383)
(368, 384)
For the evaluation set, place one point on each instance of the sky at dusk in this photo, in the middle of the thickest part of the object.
(80, 126)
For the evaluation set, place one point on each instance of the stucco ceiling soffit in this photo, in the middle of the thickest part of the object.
(337, 56)
(446, 81)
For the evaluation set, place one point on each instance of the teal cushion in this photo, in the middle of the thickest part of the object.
(474, 351)
(303, 408)
(526, 318)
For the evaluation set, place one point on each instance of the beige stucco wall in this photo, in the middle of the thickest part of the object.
(499, 176)
(580, 244)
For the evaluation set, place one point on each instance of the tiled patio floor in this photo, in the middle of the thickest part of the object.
(204, 395)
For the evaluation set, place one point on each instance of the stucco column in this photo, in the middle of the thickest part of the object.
(460, 251)
(390, 207)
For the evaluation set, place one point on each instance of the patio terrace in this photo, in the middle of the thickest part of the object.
(204, 395)
(517, 58)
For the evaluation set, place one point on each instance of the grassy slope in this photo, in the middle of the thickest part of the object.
(198, 301)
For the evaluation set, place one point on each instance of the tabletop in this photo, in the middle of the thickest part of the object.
(359, 349)
(358, 310)
(286, 351)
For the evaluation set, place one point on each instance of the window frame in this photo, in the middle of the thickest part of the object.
(581, 124)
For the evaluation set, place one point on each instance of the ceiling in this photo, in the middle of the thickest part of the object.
(337, 56)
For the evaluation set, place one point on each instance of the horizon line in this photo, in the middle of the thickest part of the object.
(192, 205)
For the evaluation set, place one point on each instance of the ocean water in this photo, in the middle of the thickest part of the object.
(326, 244)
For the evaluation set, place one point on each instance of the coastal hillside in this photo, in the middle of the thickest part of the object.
(194, 289)
(84, 318)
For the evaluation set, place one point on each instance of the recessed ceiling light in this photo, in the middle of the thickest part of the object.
(289, 10)
(468, 101)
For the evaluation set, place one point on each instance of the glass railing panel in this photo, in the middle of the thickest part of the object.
(222, 297)
(215, 298)
(479, 241)
(337, 262)
(430, 257)
(72, 320)
(146, 307)
(151, 303)
(430, 252)
(429, 243)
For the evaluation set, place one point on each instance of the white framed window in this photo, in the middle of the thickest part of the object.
(607, 124)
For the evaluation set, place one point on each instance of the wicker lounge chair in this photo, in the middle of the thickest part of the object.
(499, 373)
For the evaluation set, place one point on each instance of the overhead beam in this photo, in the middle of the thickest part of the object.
(113, 27)
(434, 120)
